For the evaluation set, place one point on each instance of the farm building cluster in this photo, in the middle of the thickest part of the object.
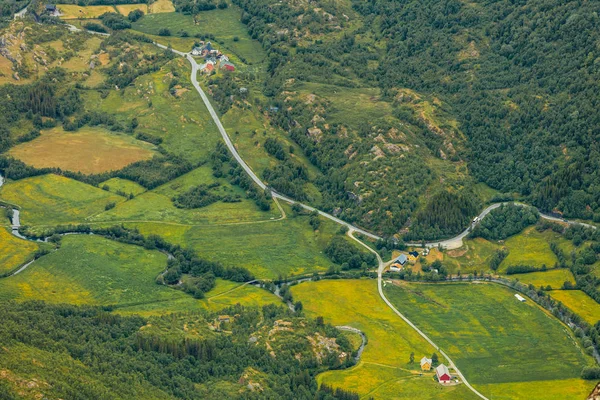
(409, 258)
(442, 373)
(213, 58)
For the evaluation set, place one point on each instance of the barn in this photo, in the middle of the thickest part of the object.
(442, 373)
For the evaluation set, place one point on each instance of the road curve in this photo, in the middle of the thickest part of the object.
(390, 305)
(246, 167)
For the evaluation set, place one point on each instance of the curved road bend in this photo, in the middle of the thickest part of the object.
(390, 305)
(245, 166)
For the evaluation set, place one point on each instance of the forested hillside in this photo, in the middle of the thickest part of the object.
(268, 353)
(509, 87)
(522, 79)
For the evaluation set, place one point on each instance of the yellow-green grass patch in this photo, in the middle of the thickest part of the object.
(390, 340)
(529, 248)
(388, 383)
(72, 11)
(268, 249)
(123, 185)
(14, 251)
(90, 150)
(564, 389)
(246, 128)
(580, 303)
(89, 269)
(490, 335)
(553, 277)
(125, 9)
(52, 199)
(162, 6)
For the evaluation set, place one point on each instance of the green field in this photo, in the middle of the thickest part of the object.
(224, 294)
(13, 251)
(98, 271)
(529, 247)
(225, 25)
(246, 127)
(52, 199)
(384, 371)
(267, 249)
(553, 277)
(156, 205)
(492, 337)
(580, 303)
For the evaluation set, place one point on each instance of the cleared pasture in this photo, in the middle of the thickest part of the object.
(89, 150)
(580, 303)
(125, 9)
(553, 278)
(529, 247)
(72, 11)
(268, 249)
(492, 336)
(52, 199)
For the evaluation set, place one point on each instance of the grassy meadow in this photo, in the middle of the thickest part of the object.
(123, 185)
(580, 303)
(72, 11)
(384, 371)
(161, 6)
(475, 255)
(125, 9)
(14, 252)
(492, 337)
(268, 249)
(89, 150)
(89, 269)
(249, 130)
(529, 247)
(52, 199)
(553, 277)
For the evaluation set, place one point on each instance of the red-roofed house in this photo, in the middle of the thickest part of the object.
(442, 373)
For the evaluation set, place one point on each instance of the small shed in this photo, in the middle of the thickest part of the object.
(426, 364)
(519, 297)
(442, 373)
